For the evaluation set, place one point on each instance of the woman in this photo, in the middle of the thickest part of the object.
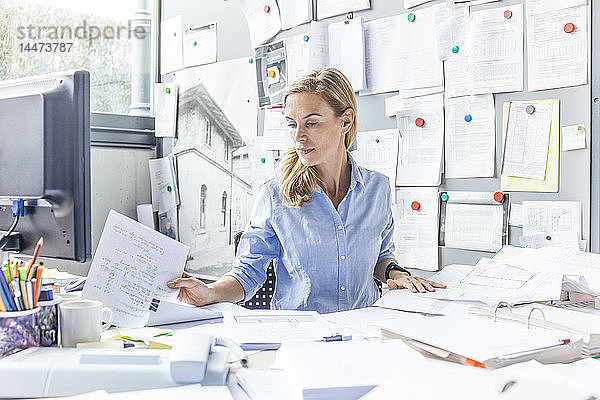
(326, 221)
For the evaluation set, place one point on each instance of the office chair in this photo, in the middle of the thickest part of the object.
(262, 299)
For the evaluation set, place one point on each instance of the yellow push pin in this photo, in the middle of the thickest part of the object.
(271, 74)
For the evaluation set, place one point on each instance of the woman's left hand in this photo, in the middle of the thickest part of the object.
(414, 284)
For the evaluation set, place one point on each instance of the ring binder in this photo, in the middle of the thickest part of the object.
(531, 312)
(500, 305)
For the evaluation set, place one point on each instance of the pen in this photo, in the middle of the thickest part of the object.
(336, 338)
(17, 294)
(29, 294)
(23, 289)
(9, 296)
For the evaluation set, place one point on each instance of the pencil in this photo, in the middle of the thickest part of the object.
(38, 277)
(36, 252)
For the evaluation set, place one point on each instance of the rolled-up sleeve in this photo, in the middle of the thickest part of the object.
(387, 236)
(258, 245)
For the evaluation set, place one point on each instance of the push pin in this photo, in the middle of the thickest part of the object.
(419, 122)
(499, 197)
(168, 90)
(415, 205)
(444, 196)
(267, 9)
(548, 237)
(508, 14)
(530, 109)
(455, 49)
(262, 160)
(468, 118)
(250, 60)
(411, 17)
(569, 27)
(306, 38)
(271, 74)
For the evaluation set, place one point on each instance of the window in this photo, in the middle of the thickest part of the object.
(207, 131)
(227, 149)
(224, 209)
(40, 36)
(203, 191)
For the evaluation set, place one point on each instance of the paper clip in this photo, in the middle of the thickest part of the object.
(531, 312)
(499, 305)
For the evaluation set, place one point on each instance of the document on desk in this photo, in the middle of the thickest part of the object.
(165, 109)
(378, 150)
(552, 216)
(297, 50)
(330, 8)
(421, 125)
(132, 266)
(163, 183)
(474, 226)
(458, 77)
(347, 50)
(200, 45)
(470, 143)
(527, 140)
(262, 163)
(550, 181)
(171, 44)
(416, 219)
(364, 320)
(295, 12)
(262, 25)
(451, 31)
(566, 240)
(557, 49)
(404, 300)
(276, 132)
(497, 50)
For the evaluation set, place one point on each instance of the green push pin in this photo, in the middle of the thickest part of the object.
(444, 196)
(195, 42)
(250, 60)
(455, 49)
(169, 188)
(262, 160)
(411, 17)
(168, 90)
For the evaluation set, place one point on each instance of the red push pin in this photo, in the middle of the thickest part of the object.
(499, 197)
(415, 205)
(569, 27)
(419, 122)
(508, 14)
(267, 9)
(346, 22)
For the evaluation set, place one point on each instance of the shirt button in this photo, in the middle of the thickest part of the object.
(340, 227)
(343, 287)
(343, 257)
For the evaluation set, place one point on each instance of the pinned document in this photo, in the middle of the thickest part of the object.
(458, 77)
(557, 47)
(276, 132)
(297, 51)
(171, 45)
(378, 150)
(496, 40)
(271, 73)
(416, 219)
(573, 137)
(263, 20)
(347, 50)
(552, 216)
(163, 182)
(564, 240)
(451, 31)
(295, 12)
(262, 164)
(200, 45)
(165, 109)
(329, 8)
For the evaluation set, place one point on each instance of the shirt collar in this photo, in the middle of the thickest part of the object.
(355, 176)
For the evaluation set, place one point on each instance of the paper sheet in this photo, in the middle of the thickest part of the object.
(363, 320)
(552, 216)
(556, 58)
(470, 143)
(200, 45)
(527, 140)
(329, 8)
(458, 76)
(171, 45)
(516, 215)
(131, 266)
(564, 240)
(497, 50)
(392, 104)
(163, 183)
(295, 12)
(347, 50)
(271, 73)
(276, 132)
(262, 164)
(405, 300)
(262, 24)
(420, 148)
(318, 55)
(550, 182)
(378, 150)
(272, 384)
(145, 215)
(573, 137)
(416, 231)
(297, 50)
(451, 31)
(165, 109)
(474, 227)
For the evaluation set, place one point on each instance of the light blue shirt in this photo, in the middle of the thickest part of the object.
(324, 258)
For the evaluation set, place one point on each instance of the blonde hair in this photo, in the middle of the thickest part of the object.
(297, 181)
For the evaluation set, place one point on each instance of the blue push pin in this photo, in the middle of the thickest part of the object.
(468, 118)
(306, 38)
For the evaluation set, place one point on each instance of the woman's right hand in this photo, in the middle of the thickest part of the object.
(192, 290)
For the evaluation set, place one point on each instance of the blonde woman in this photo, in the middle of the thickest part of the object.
(326, 221)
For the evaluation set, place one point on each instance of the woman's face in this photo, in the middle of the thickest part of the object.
(318, 135)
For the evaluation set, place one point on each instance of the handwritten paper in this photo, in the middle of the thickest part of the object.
(132, 265)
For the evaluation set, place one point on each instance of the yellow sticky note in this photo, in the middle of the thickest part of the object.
(550, 183)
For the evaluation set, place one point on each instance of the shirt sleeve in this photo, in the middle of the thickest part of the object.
(258, 245)
(387, 236)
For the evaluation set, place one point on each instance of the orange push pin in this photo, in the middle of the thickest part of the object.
(499, 197)
(569, 27)
(415, 205)
(419, 122)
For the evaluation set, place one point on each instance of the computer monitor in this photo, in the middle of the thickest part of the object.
(45, 161)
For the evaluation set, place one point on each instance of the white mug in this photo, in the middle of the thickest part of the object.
(81, 321)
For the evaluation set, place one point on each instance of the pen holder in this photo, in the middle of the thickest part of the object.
(48, 322)
(18, 330)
